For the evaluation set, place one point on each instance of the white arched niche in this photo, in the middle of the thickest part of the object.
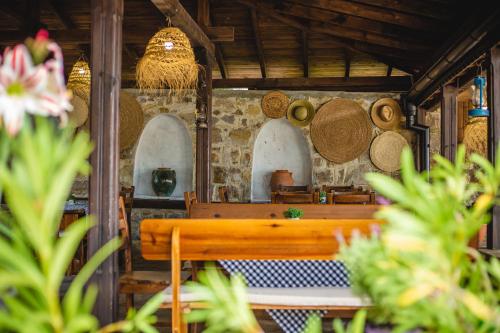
(165, 143)
(279, 145)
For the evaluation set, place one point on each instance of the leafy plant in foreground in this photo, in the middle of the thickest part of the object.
(420, 273)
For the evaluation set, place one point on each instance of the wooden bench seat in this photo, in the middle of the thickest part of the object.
(252, 239)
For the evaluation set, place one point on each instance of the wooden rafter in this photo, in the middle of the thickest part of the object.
(380, 83)
(305, 53)
(258, 41)
(418, 8)
(62, 16)
(375, 13)
(220, 61)
(389, 70)
(181, 18)
(380, 53)
(347, 61)
(130, 52)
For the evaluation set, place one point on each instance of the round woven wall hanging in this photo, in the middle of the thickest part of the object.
(131, 120)
(475, 136)
(386, 149)
(341, 130)
(80, 113)
(274, 104)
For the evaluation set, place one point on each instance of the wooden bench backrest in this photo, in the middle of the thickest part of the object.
(204, 239)
(275, 211)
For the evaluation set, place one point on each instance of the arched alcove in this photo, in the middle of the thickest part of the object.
(164, 143)
(279, 145)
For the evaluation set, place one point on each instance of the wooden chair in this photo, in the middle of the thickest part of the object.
(189, 199)
(191, 239)
(333, 188)
(136, 282)
(80, 256)
(354, 198)
(128, 197)
(223, 194)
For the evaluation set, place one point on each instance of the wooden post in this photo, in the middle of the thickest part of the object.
(203, 127)
(449, 121)
(104, 121)
(493, 235)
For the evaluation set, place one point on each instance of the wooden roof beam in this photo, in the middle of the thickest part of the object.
(180, 18)
(389, 70)
(258, 41)
(347, 61)
(220, 61)
(373, 50)
(62, 16)
(367, 84)
(305, 53)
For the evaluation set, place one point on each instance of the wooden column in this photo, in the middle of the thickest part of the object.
(106, 46)
(449, 121)
(493, 237)
(203, 127)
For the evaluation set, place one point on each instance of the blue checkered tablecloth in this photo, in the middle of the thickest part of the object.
(77, 205)
(290, 274)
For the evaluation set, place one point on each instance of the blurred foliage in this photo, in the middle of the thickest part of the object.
(293, 213)
(37, 169)
(420, 272)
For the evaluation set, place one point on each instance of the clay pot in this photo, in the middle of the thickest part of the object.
(163, 181)
(281, 177)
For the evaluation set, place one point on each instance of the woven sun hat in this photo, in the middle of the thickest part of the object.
(131, 120)
(80, 113)
(476, 136)
(300, 112)
(341, 130)
(274, 104)
(386, 149)
(386, 113)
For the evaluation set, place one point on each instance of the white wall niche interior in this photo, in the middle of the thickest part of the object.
(164, 143)
(279, 146)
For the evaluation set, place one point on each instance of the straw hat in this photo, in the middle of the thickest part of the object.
(300, 113)
(386, 113)
(274, 104)
(80, 112)
(131, 120)
(386, 149)
(341, 130)
(476, 136)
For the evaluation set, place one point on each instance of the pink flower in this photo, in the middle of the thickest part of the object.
(25, 88)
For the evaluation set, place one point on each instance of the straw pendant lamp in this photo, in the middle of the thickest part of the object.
(168, 62)
(79, 78)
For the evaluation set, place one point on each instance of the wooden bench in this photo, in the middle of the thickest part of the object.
(275, 211)
(208, 240)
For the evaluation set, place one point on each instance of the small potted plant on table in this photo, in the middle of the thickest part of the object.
(293, 213)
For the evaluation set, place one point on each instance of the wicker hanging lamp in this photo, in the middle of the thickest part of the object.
(168, 62)
(80, 74)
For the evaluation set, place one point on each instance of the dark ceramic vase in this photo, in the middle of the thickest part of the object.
(163, 181)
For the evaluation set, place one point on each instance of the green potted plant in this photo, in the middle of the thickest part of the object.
(293, 213)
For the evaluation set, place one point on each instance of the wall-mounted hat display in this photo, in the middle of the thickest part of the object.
(386, 113)
(274, 104)
(341, 130)
(300, 112)
(385, 151)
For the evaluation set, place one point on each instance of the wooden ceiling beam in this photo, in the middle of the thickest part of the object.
(375, 13)
(347, 61)
(204, 11)
(382, 83)
(62, 16)
(130, 52)
(434, 11)
(220, 34)
(389, 70)
(220, 61)
(378, 52)
(354, 22)
(180, 18)
(258, 41)
(10, 13)
(305, 53)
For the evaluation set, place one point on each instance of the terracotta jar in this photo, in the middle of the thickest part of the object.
(281, 177)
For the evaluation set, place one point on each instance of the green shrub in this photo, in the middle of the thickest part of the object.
(293, 213)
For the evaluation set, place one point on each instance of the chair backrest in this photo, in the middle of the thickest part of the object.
(275, 211)
(190, 199)
(128, 197)
(123, 229)
(354, 198)
(292, 198)
(206, 239)
(223, 194)
(294, 188)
